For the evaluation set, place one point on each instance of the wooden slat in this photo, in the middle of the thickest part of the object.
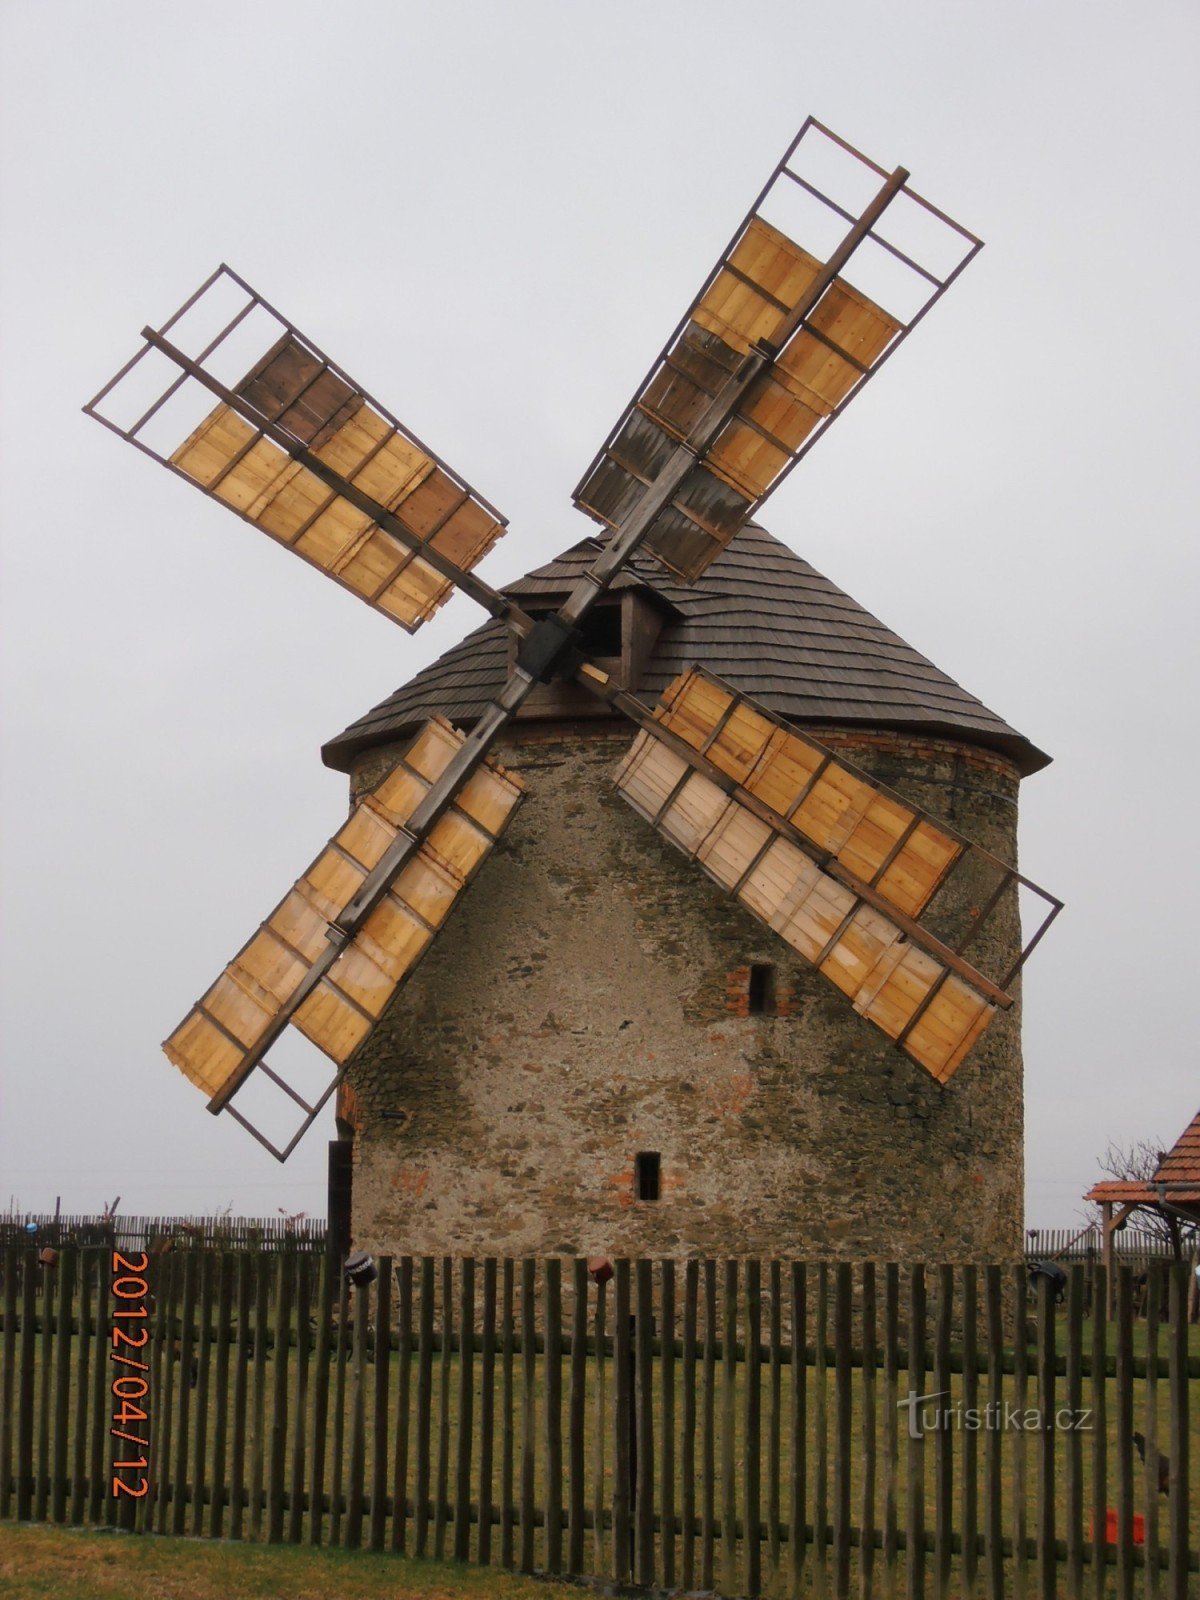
(162, 1367)
(1073, 1399)
(993, 1482)
(224, 1331)
(330, 1273)
(507, 1437)
(83, 1350)
(601, 1558)
(466, 1416)
(183, 1393)
(379, 1403)
(424, 1406)
(752, 1451)
(1124, 1400)
(642, 1475)
(1099, 1438)
(866, 1543)
(687, 1443)
(915, 1445)
(8, 1383)
(1020, 1464)
(441, 1504)
(101, 1506)
(552, 1410)
(356, 1465)
(708, 1482)
(1178, 1479)
(26, 1398)
(41, 1498)
(341, 1365)
(797, 1514)
(487, 1411)
(297, 1485)
(891, 1421)
(60, 1464)
(943, 1444)
(528, 1410)
(277, 1449)
(208, 1268)
(970, 1437)
(842, 1430)
(821, 1426)
(577, 1419)
(403, 1396)
(622, 1426)
(241, 1365)
(1047, 1568)
(667, 1402)
(258, 1400)
(774, 1413)
(728, 1427)
(1155, 1293)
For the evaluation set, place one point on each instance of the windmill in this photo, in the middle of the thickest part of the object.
(771, 351)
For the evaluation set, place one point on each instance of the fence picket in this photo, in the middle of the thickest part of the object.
(1047, 1565)
(687, 1451)
(356, 1467)
(576, 1418)
(403, 1397)
(296, 1489)
(424, 1406)
(208, 1264)
(237, 1487)
(993, 1483)
(225, 1269)
(797, 1531)
(60, 1459)
(667, 1443)
(1125, 1578)
(466, 1420)
(642, 1471)
(842, 1434)
(1177, 1474)
(970, 1437)
(83, 1350)
(330, 1272)
(1099, 1398)
(507, 1435)
(258, 1401)
(622, 1424)
(709, 1441)
(752, 1454)
(914, 1486)
(866, 1543)
(379, 1403)
(1155, 1283)
(728, 1424)
(528, 1410)
(1073, 1470)
(943, 1443)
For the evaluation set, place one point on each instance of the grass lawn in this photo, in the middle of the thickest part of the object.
(72, 1564)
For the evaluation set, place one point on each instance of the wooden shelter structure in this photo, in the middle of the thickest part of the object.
(1172, 1192)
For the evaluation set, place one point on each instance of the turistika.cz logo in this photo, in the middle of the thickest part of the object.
(925, 1415)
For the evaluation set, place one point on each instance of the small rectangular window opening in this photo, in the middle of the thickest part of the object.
(647, 1175)
(762, 989)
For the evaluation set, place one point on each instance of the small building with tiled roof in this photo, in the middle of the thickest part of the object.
(1174, 1186)
(597, 1004)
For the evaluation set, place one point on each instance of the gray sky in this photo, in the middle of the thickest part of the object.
(492, 215)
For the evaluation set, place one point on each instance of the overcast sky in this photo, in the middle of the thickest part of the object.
(492, 215)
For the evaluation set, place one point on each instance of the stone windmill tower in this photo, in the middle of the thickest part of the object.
(598, 1050)
(635, 1064)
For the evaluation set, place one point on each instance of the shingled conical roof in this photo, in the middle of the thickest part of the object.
(761, 618)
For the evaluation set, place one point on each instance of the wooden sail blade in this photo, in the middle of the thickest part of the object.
(299, 450)
(221, 1037)
(849, 873)
(767, 356)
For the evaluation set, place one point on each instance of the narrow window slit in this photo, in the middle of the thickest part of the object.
(762, 989)
(647, 1175)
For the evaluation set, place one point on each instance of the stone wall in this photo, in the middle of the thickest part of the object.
(589, 1000)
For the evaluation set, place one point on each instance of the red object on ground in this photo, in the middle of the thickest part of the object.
(1110, 1527)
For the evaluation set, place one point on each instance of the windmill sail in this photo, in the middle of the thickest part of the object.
(229, 1030)
(794, 339)
(841, 867)
(300, 451)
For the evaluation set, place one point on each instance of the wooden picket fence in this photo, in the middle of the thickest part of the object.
(745, 1427)
(57, 1229)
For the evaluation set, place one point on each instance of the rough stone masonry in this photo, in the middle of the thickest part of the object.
(590, 1001)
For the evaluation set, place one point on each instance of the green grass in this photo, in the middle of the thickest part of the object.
(39, 1563)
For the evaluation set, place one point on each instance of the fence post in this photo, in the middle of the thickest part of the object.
(752, 1454)
(466, 1420)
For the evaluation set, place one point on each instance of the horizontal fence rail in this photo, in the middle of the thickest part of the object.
(741, 1426)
